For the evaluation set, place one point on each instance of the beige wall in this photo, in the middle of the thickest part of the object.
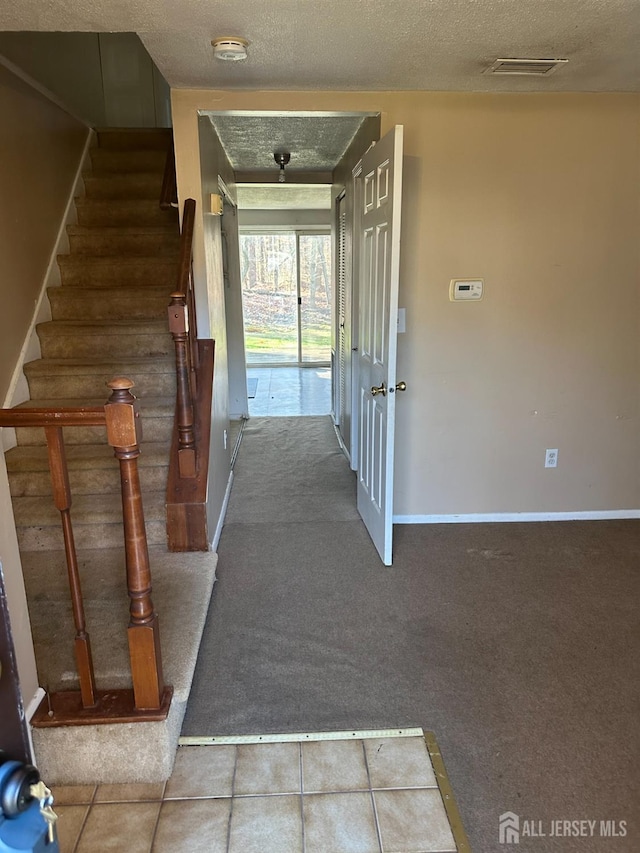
(537, 194)
(41, 148)
(211, 311)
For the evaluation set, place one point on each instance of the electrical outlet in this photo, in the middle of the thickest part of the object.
(551, 458)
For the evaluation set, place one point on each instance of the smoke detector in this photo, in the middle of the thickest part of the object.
(230, 48)
(525, 67)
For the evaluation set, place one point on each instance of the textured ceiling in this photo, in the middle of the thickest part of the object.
(314, 143)
(365, 44)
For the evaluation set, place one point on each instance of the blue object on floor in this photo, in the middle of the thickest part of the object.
(22, 824)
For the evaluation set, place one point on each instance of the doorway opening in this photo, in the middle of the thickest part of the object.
(287, 312)
(286, 297)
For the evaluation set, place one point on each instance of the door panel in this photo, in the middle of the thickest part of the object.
(314, 252)
(378, 311)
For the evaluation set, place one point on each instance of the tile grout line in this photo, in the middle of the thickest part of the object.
(373, 799)
(233, 789)
(304, 839)
(86, 818)
(157, 823)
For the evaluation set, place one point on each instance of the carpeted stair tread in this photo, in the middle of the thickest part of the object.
(83, 366)
(61, 339)
(139, 240)
(94, 212)
(134, 138)
(109, 303)
(99, 327)
(40, 511)
(133, 185)
(168, 228)
(69, 377)
(92, 468)
(35, 458)
(117, 270)
(113, 160)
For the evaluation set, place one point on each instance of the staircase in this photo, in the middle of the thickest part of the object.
(109, 318)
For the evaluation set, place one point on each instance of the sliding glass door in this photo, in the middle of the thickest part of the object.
(286, 297)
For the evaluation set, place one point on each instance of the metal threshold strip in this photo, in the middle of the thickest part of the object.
(299, 737)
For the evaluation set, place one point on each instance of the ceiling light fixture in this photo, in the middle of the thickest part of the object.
(282, 158)
(230, 48)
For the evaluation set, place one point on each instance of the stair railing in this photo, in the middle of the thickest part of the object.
(150, 698)
(183, 327)
(189, 461)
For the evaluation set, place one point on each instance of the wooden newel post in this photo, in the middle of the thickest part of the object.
(144, 639)
(179, 328)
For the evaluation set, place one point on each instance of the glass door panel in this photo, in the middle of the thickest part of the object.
(269, 297)
(315, 297)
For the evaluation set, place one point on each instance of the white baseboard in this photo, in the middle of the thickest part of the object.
(225, 503)
(502, 517)
(33, 705)
(29, 711)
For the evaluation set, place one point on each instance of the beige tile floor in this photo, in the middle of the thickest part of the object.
(374, 795)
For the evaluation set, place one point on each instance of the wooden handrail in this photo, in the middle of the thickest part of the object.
(189, 461)
(150, 698)
(169, 191)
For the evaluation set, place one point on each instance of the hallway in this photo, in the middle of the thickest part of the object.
(490, 635)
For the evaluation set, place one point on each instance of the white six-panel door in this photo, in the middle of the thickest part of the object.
(379, 239)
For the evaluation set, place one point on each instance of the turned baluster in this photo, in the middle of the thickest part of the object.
(179, 328)
(62, 499)
(143, 633)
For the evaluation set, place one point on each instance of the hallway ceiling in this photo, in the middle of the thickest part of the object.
(377, 44)
(315, 142)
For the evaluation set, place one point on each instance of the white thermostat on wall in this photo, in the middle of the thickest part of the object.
(466, 289)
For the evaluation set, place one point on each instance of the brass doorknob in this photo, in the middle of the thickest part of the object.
(381, 390)
(401, 386)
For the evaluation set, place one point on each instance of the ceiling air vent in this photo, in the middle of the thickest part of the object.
(529, 67)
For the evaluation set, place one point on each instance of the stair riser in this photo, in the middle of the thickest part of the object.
(77, 273)
(85, 536)
(153, 429)
(104, 161)
(96, 481)
(88, 346)
(123, 187)
(95, 213)
(64, 306)
(137, 139)
(125, 244)
(56, 385)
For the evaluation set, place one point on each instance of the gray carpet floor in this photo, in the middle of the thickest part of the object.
(517, 644)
